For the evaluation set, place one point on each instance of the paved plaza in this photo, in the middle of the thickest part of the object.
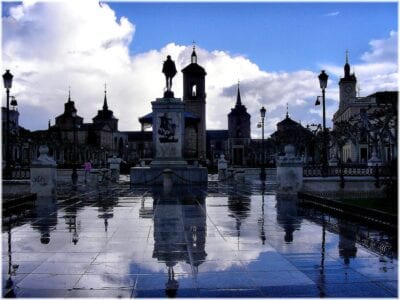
(224, 240)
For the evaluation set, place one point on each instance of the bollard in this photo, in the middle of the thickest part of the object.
(114, 168)
(167, 180)
(43, 174)
(222, 167)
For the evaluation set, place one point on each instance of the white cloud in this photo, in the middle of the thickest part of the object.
(332, 14)
(383, 50)
(378, 70)
(50, 46)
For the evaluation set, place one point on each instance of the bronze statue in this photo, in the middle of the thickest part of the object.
(169, 70)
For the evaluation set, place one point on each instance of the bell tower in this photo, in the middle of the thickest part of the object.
(194, 97)
(347, 85)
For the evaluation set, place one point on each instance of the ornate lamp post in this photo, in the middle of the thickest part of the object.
(323, 82)
(74, 175)
(7, 79)
(262, 174)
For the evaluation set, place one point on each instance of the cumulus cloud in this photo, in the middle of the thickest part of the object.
(383, 50)
(51, 46)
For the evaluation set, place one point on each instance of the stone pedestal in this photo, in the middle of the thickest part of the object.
(168, 132)
(168, 139)
(44, 174)
(114, 168)
(167, 180)
(289, 171)
(222, 167)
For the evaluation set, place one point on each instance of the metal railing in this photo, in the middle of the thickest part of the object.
(345, 170)
(17, 173)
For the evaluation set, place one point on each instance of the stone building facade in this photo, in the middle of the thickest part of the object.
(364, 126)
(70, 140)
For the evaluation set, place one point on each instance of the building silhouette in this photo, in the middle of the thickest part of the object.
(194, 97)
(364, 125)
(239, 133)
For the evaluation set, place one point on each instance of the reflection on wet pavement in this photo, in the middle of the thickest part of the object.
(222, 241)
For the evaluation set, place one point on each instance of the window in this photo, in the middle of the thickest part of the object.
(194, 90)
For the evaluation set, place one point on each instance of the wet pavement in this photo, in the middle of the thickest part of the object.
(225, 240)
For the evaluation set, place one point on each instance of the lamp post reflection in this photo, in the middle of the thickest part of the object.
(321, 283)
(262, 220)
(9, 283)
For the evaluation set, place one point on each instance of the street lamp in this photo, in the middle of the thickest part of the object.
(262, 174)
(7, 79)
(323, 82)
(74, 175)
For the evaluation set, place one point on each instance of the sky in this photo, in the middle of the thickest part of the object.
(275, 50)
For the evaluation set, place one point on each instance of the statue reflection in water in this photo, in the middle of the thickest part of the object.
(347, 241)
(45, 217)
(105, 204)
(179, 231)
(286, 214)
(239, 207)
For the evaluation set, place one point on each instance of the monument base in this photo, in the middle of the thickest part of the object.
(181, 174)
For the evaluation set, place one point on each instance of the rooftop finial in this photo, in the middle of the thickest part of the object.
(69, 93)
(347, 56)
(194, 55)
(238, 98)
(105, 106)
(287, 110)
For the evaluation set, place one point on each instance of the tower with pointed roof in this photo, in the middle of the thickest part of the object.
(239, 134)
(194, 97)
(347, 85)
(106, 116)
(66, 121)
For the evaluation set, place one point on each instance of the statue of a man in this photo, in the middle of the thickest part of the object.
(169, 70)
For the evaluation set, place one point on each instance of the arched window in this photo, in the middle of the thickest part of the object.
(194, 90)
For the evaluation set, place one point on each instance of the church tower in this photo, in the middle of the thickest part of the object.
(239, 132)
(194, 97)
(106, 116)
(347, 85)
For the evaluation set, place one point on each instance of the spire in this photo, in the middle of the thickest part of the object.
(347, 65)
(69, 94)
(287, 110)
(105, 106)
(194, 55)
(238, 98)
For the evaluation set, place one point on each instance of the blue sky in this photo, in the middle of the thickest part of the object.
(276, 50)
(277, 36)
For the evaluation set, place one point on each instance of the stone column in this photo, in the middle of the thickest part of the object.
(114, 168)
(44, 174)
(222, 167)
(289, 171)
